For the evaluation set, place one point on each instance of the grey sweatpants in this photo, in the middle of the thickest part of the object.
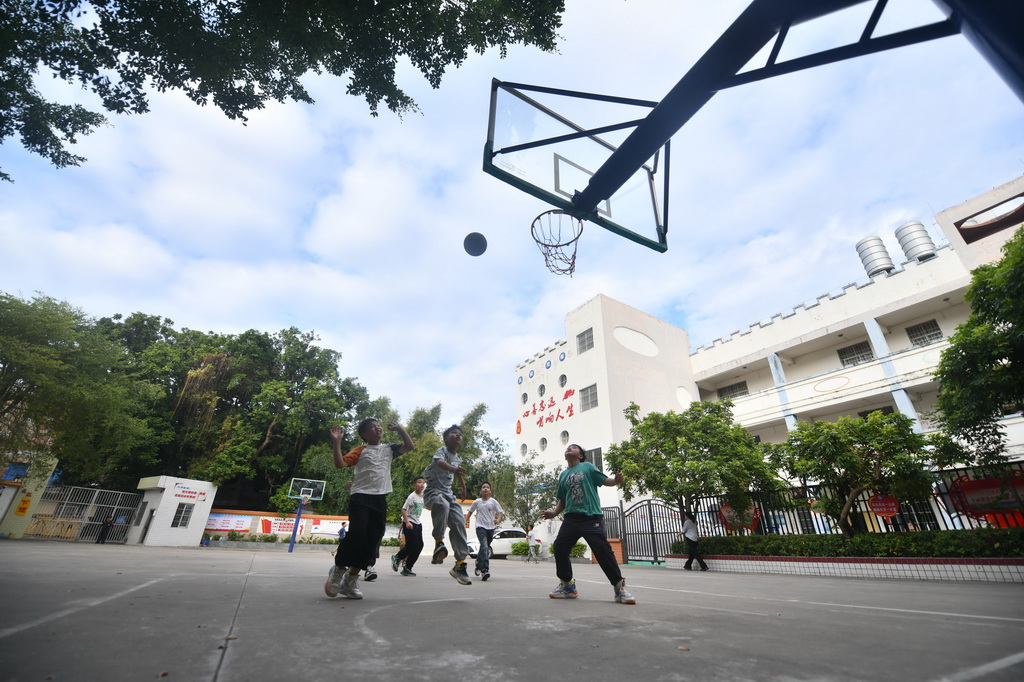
(445, 510)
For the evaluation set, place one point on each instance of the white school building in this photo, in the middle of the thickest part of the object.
(873, 345)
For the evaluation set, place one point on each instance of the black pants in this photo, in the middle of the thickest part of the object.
(591, 529)
(694, 552)
(413, 546)
(367, 521)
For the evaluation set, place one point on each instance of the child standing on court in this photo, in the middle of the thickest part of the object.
(488, 517)
(533, 544)
(411, 530)
(444, 508)
(577, 496)
(368, 503)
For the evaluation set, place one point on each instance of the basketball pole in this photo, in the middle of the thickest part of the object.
(295, 526)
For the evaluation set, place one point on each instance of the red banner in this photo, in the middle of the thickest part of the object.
(985, 497)
(733, 519)
(884, 505)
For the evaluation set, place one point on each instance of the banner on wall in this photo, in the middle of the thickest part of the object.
(326, 526)
(734, 520)
(279, 525)
(229, 522)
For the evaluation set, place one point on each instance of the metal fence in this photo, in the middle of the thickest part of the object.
(650, 527)
(73, 513)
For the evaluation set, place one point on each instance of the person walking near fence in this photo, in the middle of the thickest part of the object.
(690, 533)
(577, 496)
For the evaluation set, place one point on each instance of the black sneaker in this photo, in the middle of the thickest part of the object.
(394, 563)
(486, 576)
(460, 573)
(440, 554)
(370, 575)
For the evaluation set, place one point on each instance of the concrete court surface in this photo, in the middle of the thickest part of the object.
(110, 612)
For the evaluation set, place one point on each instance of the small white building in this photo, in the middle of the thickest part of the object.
(173, 512)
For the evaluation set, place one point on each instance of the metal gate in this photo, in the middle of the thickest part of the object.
(649, 529)
(77, 514)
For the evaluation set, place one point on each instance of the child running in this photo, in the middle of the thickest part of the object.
(368, 503)
(488, 517)
(411, 529)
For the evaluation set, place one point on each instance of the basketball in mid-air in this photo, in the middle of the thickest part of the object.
(474, 243)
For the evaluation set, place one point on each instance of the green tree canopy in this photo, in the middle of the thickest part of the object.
(682, 456)
(65, 392)
(235, 54)
(880, 453)
(981, 373)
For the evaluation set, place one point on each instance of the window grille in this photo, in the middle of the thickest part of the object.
(733, 390)
(182, 515)
(588, 398)
(594, 457)
(585, 341)
(856, 354)
(925, 333)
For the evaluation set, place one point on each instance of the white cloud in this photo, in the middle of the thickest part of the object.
(325, 218)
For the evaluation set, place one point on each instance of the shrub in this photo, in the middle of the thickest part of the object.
(520, 548)
(977, 543)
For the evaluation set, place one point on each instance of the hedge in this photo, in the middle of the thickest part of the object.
(977, 543)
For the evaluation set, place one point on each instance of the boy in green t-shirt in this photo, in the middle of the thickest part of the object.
(577, 496)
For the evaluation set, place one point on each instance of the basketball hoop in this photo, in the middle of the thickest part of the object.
(556, 233)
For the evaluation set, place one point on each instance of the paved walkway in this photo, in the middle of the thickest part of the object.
(92, 612)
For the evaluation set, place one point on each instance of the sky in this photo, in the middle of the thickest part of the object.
(325, 218)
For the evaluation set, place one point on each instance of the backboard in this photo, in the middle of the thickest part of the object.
(312, 489)
(546, 142)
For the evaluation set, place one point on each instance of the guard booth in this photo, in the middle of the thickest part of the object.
(173, 512)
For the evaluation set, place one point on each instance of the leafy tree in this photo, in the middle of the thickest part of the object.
(981, 373)
(64, 393)
(236, 54)
(696, 453)
(535, 488)
(880, 453)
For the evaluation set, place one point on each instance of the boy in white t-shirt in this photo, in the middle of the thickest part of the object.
(368, 503)
(533, 541)
(488, 517)
(412, 530)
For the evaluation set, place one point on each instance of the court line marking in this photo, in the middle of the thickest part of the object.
(7, 632)
(985, 669)
(833, 604)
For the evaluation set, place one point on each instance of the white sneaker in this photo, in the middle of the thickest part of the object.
(349, 588)
(621, 595)
(334, 578)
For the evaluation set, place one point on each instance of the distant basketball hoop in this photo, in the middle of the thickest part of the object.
(557, 233)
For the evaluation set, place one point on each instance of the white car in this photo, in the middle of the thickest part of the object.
(501, 546)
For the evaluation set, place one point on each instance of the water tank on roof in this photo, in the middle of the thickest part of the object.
(874, 256)
(914, 241)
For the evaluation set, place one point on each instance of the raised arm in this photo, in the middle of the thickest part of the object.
(407, 444)
(337, 433)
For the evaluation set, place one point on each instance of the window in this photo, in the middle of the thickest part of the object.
(182, 515)
(562, 381)
(542, 389)
(856, 354)
(924, 333)
(522, 449)
(887, 409)
(543, 444)
(565, 437)
(588, 398)
(584, 341)
(594, 457)
(733, 390)
(525, 398)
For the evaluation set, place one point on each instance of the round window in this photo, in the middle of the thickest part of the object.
(522, 449)
(541, 390)
(543, 444)
(565, 437)
(525, 398)
(562, 381)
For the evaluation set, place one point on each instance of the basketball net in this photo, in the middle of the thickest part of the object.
(556, 233)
